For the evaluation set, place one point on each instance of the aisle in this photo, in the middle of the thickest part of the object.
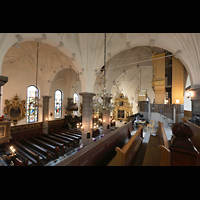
(141, 152)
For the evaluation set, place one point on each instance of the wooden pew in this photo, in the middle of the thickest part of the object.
(60, 145)
(18, 162)
(185, 147)
(53, 149)
(157, 152)
(32, 156)
(65, 142)
(126, 155)
(38, 149)
(75, 142)
(196, 133)
(68, 135)
(20, 158)
(73, 131)
(164, 148)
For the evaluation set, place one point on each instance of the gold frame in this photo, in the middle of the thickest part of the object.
(125, 106)
(15, 104)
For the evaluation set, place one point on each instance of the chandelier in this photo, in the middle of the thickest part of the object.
(104, 94)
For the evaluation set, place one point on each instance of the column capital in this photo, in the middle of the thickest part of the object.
(85, 94)
(46, 97)
(3, 80)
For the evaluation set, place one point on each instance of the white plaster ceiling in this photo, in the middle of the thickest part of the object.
(85, 50)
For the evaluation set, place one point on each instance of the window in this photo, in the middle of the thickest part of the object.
(76, 102)
(76, 98)
(32, 111)
(58, 104)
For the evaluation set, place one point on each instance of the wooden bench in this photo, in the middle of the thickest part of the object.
(196, 133)
(23, 160)
(185, 147)
(67, 144)
(32, 156)
(69, 135)
(157, 152)
(38, 149)
(53, 149)
(60, 145)
(126, 155)
(74, 131)
(71, 140)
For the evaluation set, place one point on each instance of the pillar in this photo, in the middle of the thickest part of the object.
(177, 81)
(87, 111)
(45, 116)
(106, 117)
(106, 121)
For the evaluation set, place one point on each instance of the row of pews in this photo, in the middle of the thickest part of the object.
(39, 150)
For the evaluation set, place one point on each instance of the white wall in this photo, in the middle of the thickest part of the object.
(21, 74)
(187, 101)
(19, 78)
(130, 82)
(66, 81)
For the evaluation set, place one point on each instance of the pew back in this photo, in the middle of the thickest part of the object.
(196, 133)
(126, 155)
(164, 148)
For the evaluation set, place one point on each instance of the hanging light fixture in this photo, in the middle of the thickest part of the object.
(104, 94)
(36, 103)
(101, 99)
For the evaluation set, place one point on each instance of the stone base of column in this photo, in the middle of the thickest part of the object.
(106, 121)
(45, 127)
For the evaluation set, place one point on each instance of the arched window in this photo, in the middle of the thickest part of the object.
(76, 99)
(32, 111)
(58, 104)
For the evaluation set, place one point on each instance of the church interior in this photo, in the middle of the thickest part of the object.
(99, 99)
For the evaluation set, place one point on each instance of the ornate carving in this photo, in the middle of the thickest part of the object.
(15, 108)
(122, 109)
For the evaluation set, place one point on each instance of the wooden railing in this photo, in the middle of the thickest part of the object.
(101, 151)
(126, 155)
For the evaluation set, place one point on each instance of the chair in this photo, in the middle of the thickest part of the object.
(150, 125)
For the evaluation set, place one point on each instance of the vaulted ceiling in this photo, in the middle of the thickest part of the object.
(84, 52)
